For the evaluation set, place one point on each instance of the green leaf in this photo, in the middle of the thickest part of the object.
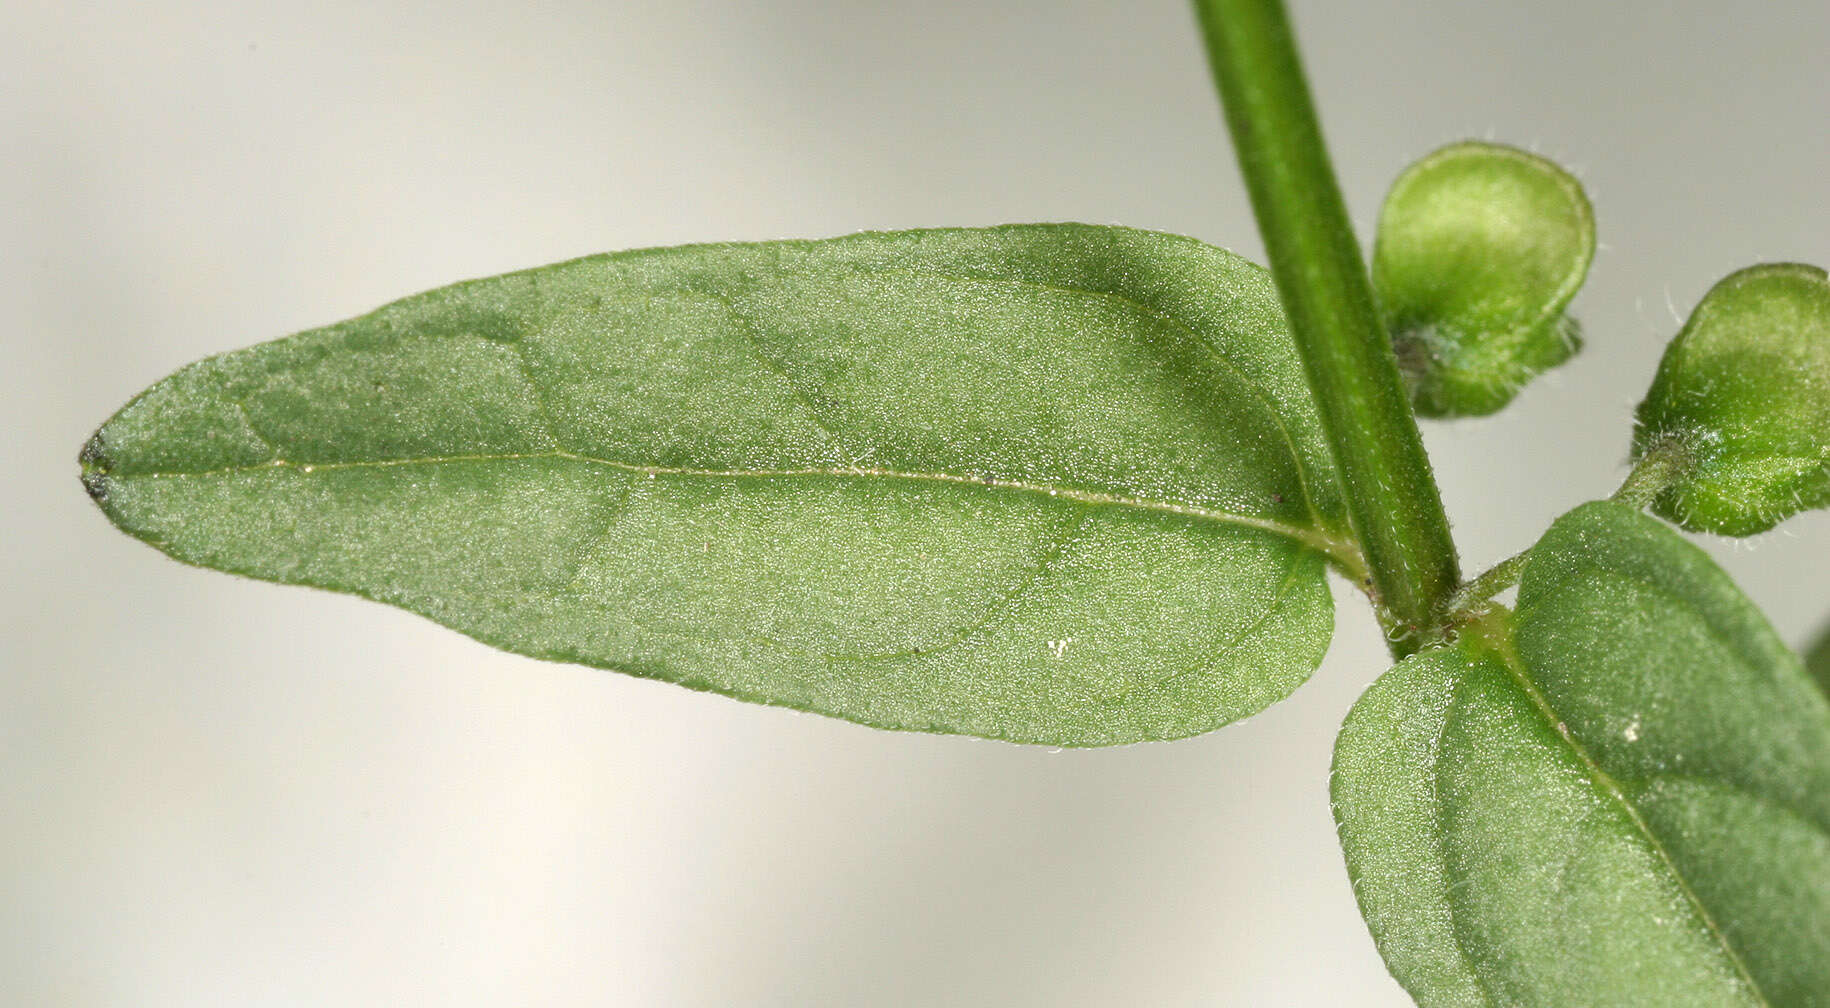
(1480, 249)
(1621, 796)
(1817, 659)
(1743, 393)
(1055, 484)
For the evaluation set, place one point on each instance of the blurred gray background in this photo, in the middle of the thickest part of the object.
(214, 791)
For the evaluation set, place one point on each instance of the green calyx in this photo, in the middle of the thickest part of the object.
(1744, 393)
(1480, 249)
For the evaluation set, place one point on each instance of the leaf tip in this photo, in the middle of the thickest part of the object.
(96, 465)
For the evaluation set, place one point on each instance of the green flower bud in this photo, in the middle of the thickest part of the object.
(1743, 398)
(1480, 249)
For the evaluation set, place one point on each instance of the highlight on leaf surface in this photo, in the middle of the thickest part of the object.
(1743, 394)
(1479, 251)
(1619, 796)
(1050, 483)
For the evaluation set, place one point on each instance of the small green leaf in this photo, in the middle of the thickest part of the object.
(1054, 484)
(1621, 796)
(1743, 393)
(1480, 249)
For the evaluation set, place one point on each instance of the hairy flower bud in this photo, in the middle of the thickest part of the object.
(1743, 393)
(1480, 249)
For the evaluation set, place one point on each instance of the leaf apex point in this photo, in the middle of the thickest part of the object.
(96, 466)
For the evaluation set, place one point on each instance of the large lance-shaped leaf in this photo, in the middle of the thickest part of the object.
(1055, 484)
(1619, 797)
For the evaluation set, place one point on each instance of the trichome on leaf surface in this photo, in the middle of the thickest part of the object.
(1081, 486)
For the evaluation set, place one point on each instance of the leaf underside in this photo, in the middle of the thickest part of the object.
(1050, 483)
(1621, 796)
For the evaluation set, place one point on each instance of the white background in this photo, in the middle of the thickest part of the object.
(214, 791)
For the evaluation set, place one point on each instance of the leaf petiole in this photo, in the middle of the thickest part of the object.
(1662, 465)
(1471, 601)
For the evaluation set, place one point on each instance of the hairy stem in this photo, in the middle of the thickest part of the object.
(1321, 277)
(1663, 463)
(1473, 597)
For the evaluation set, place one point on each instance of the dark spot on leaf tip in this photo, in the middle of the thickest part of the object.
(96, 465)
(97, 487)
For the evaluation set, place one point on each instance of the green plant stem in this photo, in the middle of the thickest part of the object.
(1662, 464)
(1321, 277)
(1472, 600)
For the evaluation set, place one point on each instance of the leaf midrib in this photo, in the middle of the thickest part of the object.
(1252, 384)
(1335, 548)
(1502, 645)
(1732, 648)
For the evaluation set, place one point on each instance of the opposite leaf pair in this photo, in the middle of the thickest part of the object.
(1067, 485)
(1051, 483)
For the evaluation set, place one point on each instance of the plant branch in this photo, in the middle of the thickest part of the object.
(1321, 278)
(1473, 598)
(1662, 464)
